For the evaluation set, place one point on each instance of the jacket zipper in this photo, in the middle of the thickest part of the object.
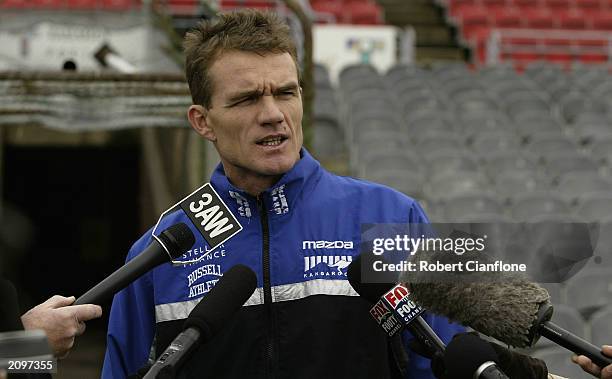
(267, 286)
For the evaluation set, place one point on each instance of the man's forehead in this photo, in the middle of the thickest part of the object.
(243, 69)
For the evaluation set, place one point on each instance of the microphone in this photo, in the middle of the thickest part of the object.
(516, 312)
(393, 310)
(24, 345)
(170, 244)
(207, 318)
(469, 357)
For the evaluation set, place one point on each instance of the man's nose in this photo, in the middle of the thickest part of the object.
(270, 113)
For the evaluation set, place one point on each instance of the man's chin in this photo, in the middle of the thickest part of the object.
(278, 168)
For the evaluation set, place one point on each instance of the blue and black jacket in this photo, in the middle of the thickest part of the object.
(304, 319)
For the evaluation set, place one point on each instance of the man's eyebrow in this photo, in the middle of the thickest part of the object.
(286, 87)
(244, 94)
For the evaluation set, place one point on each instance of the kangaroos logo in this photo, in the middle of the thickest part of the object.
(326, 266)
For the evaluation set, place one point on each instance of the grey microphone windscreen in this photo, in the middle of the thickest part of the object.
(501, 305)
(506, 311)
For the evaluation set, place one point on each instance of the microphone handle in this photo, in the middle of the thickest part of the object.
(489, 370)
(426, 336)
(171, 360)
(150, 257)
(574, 343)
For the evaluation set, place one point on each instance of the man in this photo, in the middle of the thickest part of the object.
(61, 321)
(592, 368)
(301, 227)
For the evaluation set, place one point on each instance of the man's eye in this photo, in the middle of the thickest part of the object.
(246, 100)
(287, 93)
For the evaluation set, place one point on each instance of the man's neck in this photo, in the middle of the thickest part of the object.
(253, 185)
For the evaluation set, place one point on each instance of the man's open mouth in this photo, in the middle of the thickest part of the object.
(272, 141)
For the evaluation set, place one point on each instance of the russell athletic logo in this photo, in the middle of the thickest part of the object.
(326, 266)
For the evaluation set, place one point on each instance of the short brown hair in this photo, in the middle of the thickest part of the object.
(250, 30)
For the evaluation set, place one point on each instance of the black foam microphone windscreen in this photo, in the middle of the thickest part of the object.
(206, 319)
(172, 243)
(468, 357)
(228, 296)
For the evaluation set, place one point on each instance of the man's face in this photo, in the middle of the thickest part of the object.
(255, 117)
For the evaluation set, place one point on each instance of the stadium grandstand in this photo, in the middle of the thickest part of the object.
(483, 110)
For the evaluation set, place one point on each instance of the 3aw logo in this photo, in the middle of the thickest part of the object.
(210, 215)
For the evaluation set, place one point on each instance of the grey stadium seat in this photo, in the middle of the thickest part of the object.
(601, 148)
(458, 206)
(495, 141)
(558, 361)
(455, 183)
(321, 76)
(328, 138)
(601, 327)
(557, 294)
(434, 143)
(532, 124)
(602, 240)
(574, 184)
(547, 144)
(528, 205)
(592, 127)
(407, 180)
(442, 161)
(598, 281)
(500, 161)
(560, 163)
(595, 206)
(380, 160)
(509, 183)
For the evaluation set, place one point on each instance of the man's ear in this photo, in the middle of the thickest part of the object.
(197, 116)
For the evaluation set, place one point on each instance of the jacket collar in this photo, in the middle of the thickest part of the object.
(280, 198)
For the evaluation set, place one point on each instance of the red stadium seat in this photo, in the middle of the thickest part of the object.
(507, 18)
(527, 4)
(557, 5)
(493, 5)
(539, 18)
(258, 4)
(334, 8)
(82, 4)
(455, 5)
(364, 13)
(15, 4)
(589, 6)
(472, 21)
(183, 7)
(572, 19)
(118, 5)
(593, 58)
(48, 4)
(602, 21)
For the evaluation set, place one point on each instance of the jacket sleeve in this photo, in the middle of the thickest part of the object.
(131, 325)
(418, 366)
